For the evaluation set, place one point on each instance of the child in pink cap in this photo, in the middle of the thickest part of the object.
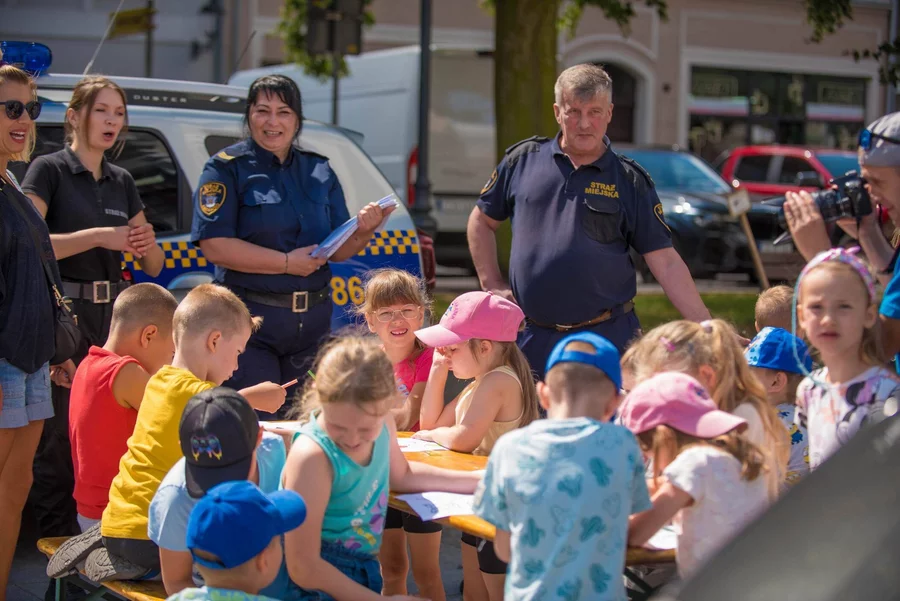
(712, 486)
(476, 339)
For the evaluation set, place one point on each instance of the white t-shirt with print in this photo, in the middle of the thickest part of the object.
(723, 502)
(833, 414)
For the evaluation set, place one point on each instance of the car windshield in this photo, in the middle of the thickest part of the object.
(679, 171)
(838, 163)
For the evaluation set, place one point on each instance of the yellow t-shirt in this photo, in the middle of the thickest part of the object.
(152, 451)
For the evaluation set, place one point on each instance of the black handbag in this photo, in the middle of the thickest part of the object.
(68, 335)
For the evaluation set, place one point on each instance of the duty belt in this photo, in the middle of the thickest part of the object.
(605, 316)
(99, 293)
(297, 302)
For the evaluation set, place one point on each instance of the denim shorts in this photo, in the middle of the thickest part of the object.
(26, 397)
(362, 568)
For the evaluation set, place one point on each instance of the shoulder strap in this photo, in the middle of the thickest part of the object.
(36, 238)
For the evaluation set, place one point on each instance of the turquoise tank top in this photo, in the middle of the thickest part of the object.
(357, 506)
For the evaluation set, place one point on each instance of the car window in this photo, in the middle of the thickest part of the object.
(753, 168)
(216, 143)
(791, 167)
(151, 165)
(678, 171)
(839, 164)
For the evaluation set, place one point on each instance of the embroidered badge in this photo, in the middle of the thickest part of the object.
(658, 211)
(208, 444)
(490, 183)
(211, 197)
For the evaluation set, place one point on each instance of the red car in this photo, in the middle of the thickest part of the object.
(766, 171)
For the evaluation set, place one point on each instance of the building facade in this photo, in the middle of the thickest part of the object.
(717, 74)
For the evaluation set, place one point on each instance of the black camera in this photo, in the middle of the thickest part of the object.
(846, 198)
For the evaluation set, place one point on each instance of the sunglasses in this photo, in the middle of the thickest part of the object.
(15, 108)
(867, 139)
(408, 313)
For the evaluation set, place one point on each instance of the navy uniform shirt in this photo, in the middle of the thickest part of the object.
(245, 192)
(572, 228)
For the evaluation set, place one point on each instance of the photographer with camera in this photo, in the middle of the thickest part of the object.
(879, 158)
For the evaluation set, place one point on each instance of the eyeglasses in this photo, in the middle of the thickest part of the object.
(867, 139)
(408, 312)
(15, 108)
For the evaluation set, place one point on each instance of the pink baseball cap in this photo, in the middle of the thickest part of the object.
(475, 315)
(679, 401)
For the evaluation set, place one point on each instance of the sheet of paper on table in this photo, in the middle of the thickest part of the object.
(289, 426)
(663, 540)
(435, 505)
(414, 445)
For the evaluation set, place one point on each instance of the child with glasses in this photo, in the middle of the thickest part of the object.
(394, 309)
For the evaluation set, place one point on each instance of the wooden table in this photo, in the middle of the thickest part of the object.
(480, 528)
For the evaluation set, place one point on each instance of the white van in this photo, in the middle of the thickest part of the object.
(380, 99)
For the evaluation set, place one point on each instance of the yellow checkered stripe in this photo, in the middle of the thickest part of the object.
(391, 242)
(182, 255)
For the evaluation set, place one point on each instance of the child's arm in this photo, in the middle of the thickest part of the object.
(407, 415)
(667, 501)
(309, 473)
(267, 396)
(177, 570)
(414, 476)
(495, 392)
(433, 413)
(128, 385)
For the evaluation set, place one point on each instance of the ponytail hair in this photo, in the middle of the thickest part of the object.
(511, 356)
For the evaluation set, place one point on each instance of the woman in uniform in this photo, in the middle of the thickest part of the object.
(94, 213)
(260, 208)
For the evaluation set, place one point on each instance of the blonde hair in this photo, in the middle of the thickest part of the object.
(512, 357)
(9, 73)
(349, 369)
(669, 442)
(211, 307)
(572, 380)
(142, 305)
(582, 82)
(389, 286)
(686, 346)
(773, 308)
(84, 96)
(868, 348)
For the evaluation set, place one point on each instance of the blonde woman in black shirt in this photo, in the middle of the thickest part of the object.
(94, 213)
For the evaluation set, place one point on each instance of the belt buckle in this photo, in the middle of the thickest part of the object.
(100, 293)
(296, 305)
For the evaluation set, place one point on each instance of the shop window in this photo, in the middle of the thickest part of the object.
(754, 168)
(791, 168)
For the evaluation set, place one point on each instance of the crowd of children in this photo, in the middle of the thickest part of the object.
(690, 430)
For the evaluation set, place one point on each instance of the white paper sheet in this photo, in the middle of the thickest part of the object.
(663, 540)
(289, 426)
(435, 505)
(337, 238)
(414, 445)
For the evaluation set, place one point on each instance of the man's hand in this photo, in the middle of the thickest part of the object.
(501, 289)
(805, 224)
(63, 374)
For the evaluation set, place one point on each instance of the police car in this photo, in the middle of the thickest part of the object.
(174, 127)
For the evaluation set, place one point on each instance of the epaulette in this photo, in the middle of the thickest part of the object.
(232, 152)
(633, 166)
(531, 144)
(312, 153)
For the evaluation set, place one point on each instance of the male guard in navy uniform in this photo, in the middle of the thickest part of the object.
(576, 208)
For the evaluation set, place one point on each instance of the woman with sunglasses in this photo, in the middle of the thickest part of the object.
(27, 319)
(94, 214)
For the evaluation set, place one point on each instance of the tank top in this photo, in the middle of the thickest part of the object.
(497, 429)
(99, 428)
(354, 516)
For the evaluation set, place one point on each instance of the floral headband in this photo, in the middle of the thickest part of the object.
(847, 257)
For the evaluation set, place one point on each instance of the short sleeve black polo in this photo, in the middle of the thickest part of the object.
(76, 201)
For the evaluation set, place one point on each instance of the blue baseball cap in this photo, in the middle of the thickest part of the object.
(773, 348)
(605, 356)
(236, 521)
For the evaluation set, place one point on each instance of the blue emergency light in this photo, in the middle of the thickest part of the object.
(31, 57)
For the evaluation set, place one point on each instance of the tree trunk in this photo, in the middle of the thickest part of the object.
(525, 38)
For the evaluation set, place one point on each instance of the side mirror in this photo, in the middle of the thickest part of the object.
(808, 179)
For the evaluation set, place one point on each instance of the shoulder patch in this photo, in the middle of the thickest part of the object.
(211, 197)
(490, 183)
(532, 144)
(660, 214)
(632, 165)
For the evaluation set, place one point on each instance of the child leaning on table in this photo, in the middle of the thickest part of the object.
(560, 490)
(342, 462)
(234, 536)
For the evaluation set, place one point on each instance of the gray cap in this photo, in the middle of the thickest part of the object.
(883, 153)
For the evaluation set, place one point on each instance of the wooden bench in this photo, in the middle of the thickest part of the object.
(112, 590)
